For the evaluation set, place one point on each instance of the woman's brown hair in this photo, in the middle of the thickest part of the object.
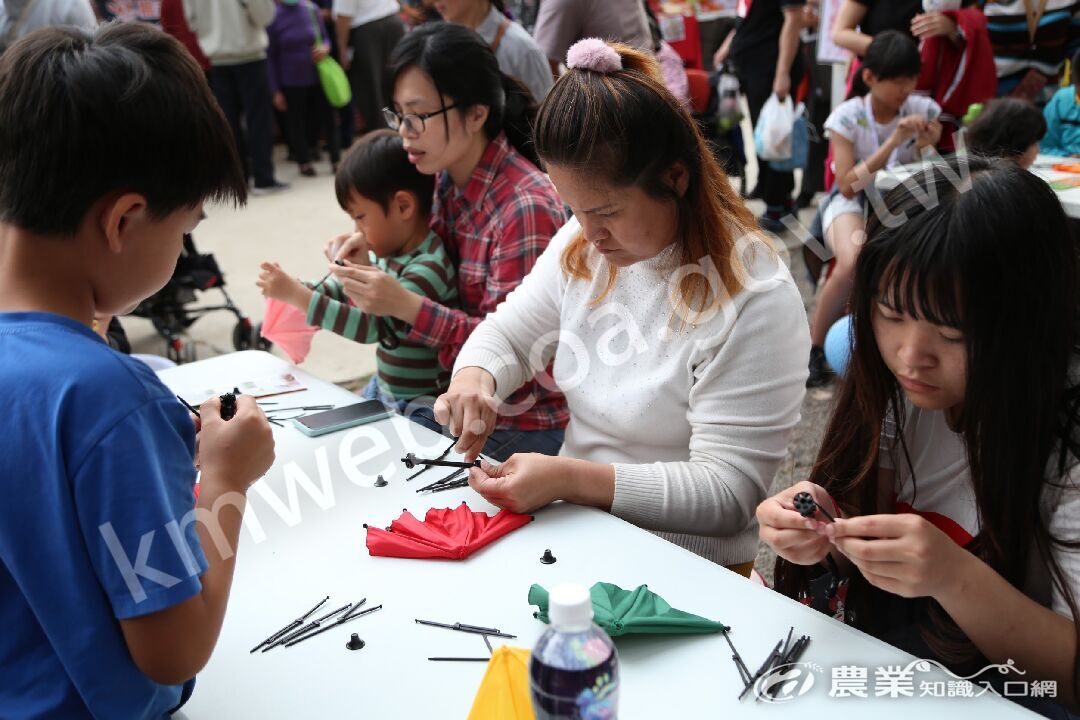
(626, 128)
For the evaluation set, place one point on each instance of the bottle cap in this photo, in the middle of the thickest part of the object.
(570, 608)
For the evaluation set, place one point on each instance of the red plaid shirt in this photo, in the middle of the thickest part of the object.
(494, 230)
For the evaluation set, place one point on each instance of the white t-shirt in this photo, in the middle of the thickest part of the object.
(854, 121)
(942, 493)
(363, 12)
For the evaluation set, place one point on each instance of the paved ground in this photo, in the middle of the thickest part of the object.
(292, 227)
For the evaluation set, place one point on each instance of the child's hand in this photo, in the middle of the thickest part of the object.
(234, 453)
(351, 248)
(902, 554)
(276, 283)
(372, 290)
(929, 136)
(799, 540)
(908, 128)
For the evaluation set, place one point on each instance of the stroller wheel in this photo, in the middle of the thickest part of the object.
(180, 352)
(243, 336)
(261, 343)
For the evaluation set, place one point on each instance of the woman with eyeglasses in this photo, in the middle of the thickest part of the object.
(468, 124)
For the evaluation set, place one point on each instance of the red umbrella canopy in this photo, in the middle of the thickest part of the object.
(444, 533)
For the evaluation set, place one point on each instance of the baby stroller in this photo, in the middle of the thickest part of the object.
(168, 308)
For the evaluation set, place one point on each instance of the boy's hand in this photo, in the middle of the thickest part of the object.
(351, 247)
(236, 452)
(797, 539)
(276, 283)
(373, 290)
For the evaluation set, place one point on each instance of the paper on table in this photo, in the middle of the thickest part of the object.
(277, 384)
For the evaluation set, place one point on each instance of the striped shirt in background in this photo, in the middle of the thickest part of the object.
(1056, 39)
(411, 369)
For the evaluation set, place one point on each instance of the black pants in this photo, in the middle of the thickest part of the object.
(307, 116)
(818, 107)
(756, 75)
(243, 91)
(372, 44)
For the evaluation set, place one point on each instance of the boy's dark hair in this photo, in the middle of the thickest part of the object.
(377, 167)
(893, 54)
(122, 108)
(1006, 127)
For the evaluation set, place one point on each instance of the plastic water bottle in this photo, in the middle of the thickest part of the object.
(574, 669)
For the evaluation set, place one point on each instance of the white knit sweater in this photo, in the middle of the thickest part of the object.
(695, 421)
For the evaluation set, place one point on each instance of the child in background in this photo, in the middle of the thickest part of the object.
(297, 42)
(390, 202)
(111, 598)
(1063, 118)
(952, 457)
(886, 127)
(1009, 128)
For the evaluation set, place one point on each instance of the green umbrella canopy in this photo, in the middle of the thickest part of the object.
(625, 612)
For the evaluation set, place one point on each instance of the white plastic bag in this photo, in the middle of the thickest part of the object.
(772, 135)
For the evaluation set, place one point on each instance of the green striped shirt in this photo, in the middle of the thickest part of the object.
(410, 369)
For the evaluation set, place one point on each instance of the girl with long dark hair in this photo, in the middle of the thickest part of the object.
(951, 459)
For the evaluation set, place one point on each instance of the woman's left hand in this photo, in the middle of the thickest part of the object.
(525, 482)
(933, 24)
(320, 52)
(903, 554)
(374, 291)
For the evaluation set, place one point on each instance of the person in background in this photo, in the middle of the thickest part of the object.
(147, 11)
(174, 23)
(1007, 127)
(859, 21)
(293, 52)
(889, 126)
(18, 18)
(1031, 39)
(765, 51)
(561, 23)
(233, 36)
(1062, 115)
(518, 54)
(367, 32)
(671, 63)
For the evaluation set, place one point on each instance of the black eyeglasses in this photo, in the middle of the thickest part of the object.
(414, 123)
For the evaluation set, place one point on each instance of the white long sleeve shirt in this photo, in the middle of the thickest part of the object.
(231, 32)
(695, 421)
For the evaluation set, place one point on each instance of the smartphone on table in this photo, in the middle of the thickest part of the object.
(329, 421)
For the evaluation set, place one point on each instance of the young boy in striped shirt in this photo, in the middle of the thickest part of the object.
(390, 202)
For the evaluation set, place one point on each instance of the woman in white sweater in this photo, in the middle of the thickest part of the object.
(677, 333)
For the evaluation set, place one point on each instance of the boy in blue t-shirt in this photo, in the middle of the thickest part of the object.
(111, 594)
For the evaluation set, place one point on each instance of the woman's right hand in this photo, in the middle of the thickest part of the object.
(791, 536)
(351, 247)
(469, 410)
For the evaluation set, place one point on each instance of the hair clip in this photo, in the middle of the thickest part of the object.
(593, 54)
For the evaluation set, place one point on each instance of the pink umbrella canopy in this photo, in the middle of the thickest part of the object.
(444, 533)
(287, 327)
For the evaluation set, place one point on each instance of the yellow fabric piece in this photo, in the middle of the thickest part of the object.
(504, 691)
